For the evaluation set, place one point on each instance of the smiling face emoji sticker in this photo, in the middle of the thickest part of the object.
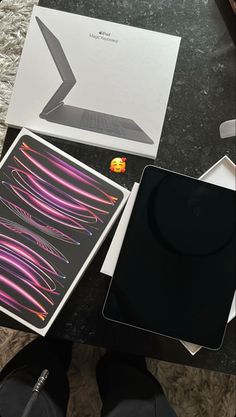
(118, 165)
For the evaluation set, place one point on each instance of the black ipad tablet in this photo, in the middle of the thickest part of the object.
(176, 271)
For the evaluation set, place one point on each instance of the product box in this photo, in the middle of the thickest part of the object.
(223, 173)
(55, 213)
(94, 81)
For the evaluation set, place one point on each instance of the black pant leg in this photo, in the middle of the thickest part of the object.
(20, 374)
(127, 389)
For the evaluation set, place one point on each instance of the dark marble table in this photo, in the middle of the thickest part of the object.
(202, 96)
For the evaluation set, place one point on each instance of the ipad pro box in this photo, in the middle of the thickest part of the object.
(55, 213)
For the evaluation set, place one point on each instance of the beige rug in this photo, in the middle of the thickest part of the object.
(192, 392)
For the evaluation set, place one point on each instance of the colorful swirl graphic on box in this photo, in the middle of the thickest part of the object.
(56, 212)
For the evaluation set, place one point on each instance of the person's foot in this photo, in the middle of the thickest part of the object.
(130, 359)
(114, 368)
(127, 388)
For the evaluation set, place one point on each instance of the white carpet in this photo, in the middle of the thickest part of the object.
(193, 392)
